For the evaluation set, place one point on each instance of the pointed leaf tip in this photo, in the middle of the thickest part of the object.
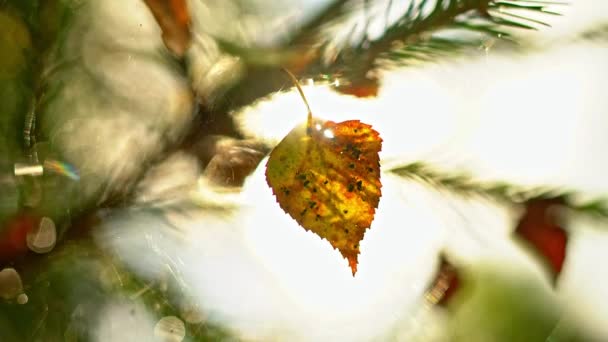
(352, 262)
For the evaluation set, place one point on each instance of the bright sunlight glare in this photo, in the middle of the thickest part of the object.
(534, 118)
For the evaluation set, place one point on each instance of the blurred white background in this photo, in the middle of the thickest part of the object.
(532, 117)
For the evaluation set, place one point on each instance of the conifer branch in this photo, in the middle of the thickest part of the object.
(418, 35)
(502, 192)
(598, 33)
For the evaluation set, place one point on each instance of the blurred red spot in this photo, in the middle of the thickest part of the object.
(538, 226)
(445, 284)
(360, 88)
(13, 236)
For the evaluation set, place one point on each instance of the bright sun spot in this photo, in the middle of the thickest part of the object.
(426, 114)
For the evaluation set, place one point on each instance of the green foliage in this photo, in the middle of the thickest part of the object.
(69, 290)
(29, 30)
(503, 306)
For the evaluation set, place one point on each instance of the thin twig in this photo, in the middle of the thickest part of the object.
(297, 84)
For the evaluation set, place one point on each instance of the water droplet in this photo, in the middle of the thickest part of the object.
(192, 314)
(42, 239)
(328, 134)
(170, 329)
(22, 299)
(10, 283)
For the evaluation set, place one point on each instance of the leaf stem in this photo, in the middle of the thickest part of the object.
(297, 84)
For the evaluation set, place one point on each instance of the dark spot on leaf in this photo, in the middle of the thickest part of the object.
(345, 211)
(351, 165)
(306, 182)
(325, 182)
(318, 217)
(359, 185)
(312, 204)
(369, 169)
(351, 187)
(354, 151)
(303, 212)
(346, 231)
(314, 189)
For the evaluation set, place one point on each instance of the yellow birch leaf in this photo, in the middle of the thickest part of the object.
(326, 176)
